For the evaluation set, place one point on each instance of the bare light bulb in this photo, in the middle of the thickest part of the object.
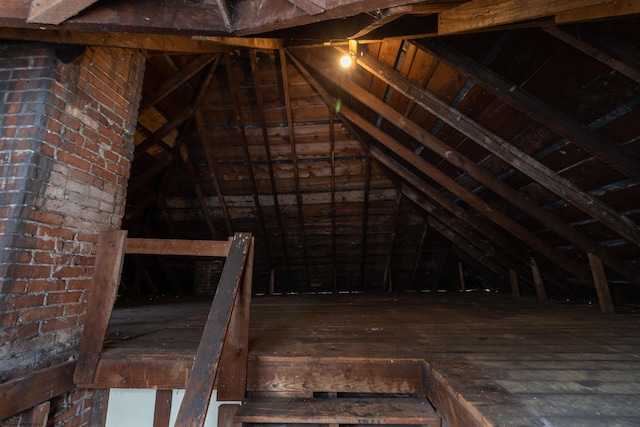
(345, 61)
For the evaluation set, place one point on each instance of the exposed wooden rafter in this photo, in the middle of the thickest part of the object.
(225, 11)
(294, 156)
(479, 14)
(516, 198)
(451, 185)
(505, 151)
(607, 9)
(259, 16)
(247, 156)
(55, 11)
(267, 150)
(545, 114)
(312, 7)
(583, 46)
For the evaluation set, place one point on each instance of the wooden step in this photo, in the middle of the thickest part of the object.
(407, 411)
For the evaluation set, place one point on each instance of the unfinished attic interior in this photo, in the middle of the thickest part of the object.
(207, 220)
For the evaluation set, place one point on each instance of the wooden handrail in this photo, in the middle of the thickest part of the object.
(112, 247)
(200, 385)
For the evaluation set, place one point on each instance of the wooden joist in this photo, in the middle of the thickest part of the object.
(480, 14)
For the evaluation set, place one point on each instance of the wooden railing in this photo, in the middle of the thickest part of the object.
(221, 358)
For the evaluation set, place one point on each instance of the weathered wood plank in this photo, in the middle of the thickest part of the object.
(55, 11)
(102, 296)
(232, 372)
(34, 388)
(595, 53)
(599, 11)
(451, 185)
(312, 7)
(513, 280)
(211, 248)
(412, 411)
(555, 120)
(162, 410)
(478, 14)
(537, 281)
(356, 376)
(150, 372)
(501, 148)
(602, 286)
(201, 380)
(226, 414)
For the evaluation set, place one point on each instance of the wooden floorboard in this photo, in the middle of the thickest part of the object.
(506, 361)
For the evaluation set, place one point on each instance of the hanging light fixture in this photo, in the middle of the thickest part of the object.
(347, 60)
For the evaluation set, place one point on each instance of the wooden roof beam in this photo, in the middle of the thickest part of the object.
(516, 198)
(503, 242)
(552, 118)
(481, 14)
(259, 16)
(312, 7)
(247, 156)
(55, 12)
(211, 166)
(294, 157)
(451, 185)
(163, 131)
(456, 227)
(177, 80)
(526, 164)
(225, 11)
(609, 9)
(257, 87)
(594, 52)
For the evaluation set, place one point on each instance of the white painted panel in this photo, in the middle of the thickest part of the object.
(212, 414)
(130, 407)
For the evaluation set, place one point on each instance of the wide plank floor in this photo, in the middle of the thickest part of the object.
(513, 362)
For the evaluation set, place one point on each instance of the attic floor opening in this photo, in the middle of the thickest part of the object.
(481, 359)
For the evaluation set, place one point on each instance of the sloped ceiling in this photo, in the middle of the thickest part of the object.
(489, 150)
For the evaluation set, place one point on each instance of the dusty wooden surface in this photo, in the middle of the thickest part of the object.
(504, 361)
(408, 411)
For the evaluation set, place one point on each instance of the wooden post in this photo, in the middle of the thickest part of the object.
(602, 287)
(226, 413)
(162, 409)
(537, 280)
(102, 296)
(232, 372)
(197, 393)
(515, 286)
(272, 281)
(461, 272)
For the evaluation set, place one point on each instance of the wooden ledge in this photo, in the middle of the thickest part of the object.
(408, 411)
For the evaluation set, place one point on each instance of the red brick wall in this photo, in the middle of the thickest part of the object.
(66, 132)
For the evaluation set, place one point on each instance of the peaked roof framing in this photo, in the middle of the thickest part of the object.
(453, 128)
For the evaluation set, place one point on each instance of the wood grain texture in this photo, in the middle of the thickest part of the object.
(210, 248)
(479, 14)
(102, 296)
(409, 411)
(34, 388)
(201, 380)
